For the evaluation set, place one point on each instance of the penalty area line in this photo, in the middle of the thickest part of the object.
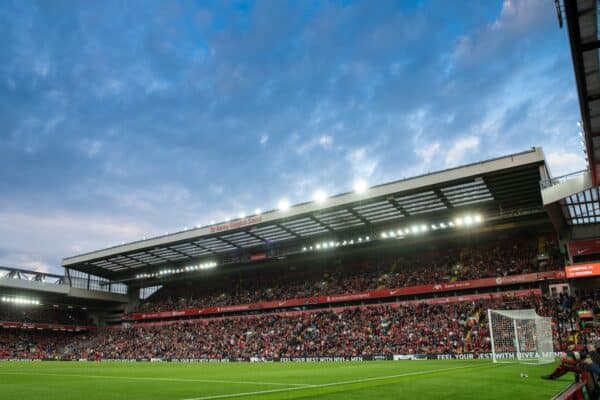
(149, 378)
(259, 392)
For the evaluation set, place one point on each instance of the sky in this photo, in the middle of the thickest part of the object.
(122, 120)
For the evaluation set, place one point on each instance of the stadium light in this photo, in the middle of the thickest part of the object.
(212, 222)
(21, 301)
(360, 186)
(242, 215)
(478, 218)
(320, 196)
(257, 211)
(283, 205)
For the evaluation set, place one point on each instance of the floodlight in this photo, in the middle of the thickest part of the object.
(367, 238)
(258, 211)
(212, 222)
(451, 224)
(227, 219)
(468, 220)
(320, 196)
(283, 205)
(330, 244)
(458, 221)
(442, 225)
(478, 218)
(414, 229)
(360, 186)
(359, 240)
(434, 227)
(383, 235)
(344, 243)
(392, 234)
(423, 228)
(304, 249)
(399, 232)
(242, 215)
(318, 246)
(351, 241)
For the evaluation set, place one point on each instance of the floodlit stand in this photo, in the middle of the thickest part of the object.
(520, 336)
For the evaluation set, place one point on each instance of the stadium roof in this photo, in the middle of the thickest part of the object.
(498, 186)
(582, 20)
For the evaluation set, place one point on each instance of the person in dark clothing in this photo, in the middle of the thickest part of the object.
(569, 362)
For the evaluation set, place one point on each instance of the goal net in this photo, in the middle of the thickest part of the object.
(520, 336)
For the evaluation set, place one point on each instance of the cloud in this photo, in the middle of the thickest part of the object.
(460, 149)
(562, 163)
(324, 141)
(516, 22)
(59, 235)
(428, 152)
(154, 125)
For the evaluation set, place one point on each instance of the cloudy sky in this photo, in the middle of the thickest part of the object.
(120, 120)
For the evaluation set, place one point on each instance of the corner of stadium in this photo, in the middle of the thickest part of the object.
(382, 291)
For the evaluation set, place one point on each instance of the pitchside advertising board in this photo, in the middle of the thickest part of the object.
(381, 357)
(584, 270)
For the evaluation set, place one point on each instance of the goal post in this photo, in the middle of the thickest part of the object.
(520, 336)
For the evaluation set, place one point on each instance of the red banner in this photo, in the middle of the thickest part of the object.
(235, 224)
(54, 327)
(439, 300)
(374, 294)
(584, 247)
(582, 270)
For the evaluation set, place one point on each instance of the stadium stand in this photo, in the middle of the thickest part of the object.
(438, 328)
(492, 259)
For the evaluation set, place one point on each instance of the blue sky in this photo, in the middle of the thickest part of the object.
(120, 120)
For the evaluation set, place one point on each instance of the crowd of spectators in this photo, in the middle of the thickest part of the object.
(496, 259)
(357, 331)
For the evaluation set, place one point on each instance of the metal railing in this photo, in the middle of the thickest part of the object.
(546, 183)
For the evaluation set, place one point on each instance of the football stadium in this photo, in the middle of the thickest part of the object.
(480, 281)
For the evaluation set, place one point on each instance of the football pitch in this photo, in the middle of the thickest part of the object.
(443, 379)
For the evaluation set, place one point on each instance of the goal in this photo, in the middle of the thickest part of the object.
(520, 336)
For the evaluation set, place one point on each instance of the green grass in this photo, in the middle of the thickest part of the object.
(447, 379)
